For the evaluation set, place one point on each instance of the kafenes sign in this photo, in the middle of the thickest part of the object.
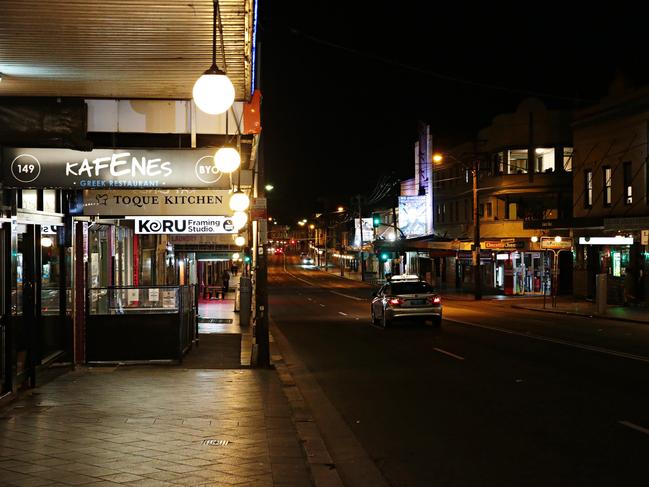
(113, 169)
(156, 202)
(184, 225)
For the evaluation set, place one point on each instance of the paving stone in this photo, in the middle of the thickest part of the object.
(145, 426)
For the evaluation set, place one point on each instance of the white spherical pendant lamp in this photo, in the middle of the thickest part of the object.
(213, 92)
(240, 241)
(239, 201)
(239, 219)
(227, 159)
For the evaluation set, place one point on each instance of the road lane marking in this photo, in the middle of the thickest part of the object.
(629, 424)
(448, 353)
(558, 341)
(320, 287)
(310, 299)
(347, 296)
(322, 305)
(341, 313)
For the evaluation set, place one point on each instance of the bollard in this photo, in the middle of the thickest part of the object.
(245, 300)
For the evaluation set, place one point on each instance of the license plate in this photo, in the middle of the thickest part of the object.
(417, 301)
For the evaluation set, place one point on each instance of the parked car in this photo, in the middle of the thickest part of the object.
(306, 259)
(406, 297)
(279, 251)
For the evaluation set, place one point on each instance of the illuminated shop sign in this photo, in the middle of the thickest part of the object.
(181, 225)
(113, 169)
(617, 240)
(155, 202)
(412, 215)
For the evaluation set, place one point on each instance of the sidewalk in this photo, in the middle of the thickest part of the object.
(153, 426)
(194, 424)
(585, 308)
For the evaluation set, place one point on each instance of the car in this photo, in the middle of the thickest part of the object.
(406, 297)
(306, 259)
(279, 251)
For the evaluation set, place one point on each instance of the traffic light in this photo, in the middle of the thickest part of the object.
(385, 256)
(376, 220)
(247, 255)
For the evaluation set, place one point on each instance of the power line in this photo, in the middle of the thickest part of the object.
(434, 74)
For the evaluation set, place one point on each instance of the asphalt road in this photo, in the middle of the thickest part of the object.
(496, 396)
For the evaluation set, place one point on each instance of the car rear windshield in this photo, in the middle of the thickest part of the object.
(411, 288)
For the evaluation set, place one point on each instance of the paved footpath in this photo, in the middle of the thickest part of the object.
(153, 426)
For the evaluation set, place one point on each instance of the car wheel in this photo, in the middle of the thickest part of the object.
(375, 322)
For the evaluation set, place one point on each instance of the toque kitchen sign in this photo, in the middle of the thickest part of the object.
(113, 169)
(156, 202)
(184, 225)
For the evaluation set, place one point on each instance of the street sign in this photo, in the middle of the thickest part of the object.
(551, 243)
(644, 237)
(258, 209)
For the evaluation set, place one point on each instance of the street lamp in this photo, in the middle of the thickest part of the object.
(474, 167)
(213, 92)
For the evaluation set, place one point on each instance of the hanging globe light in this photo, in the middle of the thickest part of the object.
(239, 201)
(239, 219)
(227, 159)
(240, 241)
(213, 92)
(235, 256)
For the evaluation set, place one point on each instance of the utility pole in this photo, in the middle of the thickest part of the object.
(475, 172)
(360, 228)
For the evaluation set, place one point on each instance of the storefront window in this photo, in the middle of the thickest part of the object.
(50, 272)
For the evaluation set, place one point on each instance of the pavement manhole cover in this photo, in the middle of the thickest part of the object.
(216, 442)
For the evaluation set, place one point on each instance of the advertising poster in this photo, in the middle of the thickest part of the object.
(412, 215)
(368, 232)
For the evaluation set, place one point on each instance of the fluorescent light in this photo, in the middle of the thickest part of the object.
(618, 240)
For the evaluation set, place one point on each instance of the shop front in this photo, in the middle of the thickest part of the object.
(35, 325)
(92, 263)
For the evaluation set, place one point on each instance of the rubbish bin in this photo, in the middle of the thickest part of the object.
(245, 300)
(600, 293)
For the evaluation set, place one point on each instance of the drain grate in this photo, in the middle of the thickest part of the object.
(216, 442)
(214, 320)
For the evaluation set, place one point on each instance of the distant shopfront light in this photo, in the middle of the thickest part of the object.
(240, 241)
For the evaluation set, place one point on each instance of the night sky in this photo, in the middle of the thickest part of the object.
(345, 83)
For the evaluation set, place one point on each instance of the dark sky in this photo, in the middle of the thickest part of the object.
(345, 83)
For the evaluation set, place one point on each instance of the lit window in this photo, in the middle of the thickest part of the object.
(567, 159)
(608, 185)
(588, 187)
(628, 186)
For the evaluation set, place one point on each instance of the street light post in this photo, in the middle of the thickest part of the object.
(475, 174)
(477, 276)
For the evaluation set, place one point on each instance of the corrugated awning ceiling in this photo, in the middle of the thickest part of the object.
(120, 48)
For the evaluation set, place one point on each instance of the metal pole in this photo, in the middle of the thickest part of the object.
(476, 234)
(326, 263)
(360, 228)
(554, 278)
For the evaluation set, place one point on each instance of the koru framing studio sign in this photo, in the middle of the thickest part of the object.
(112, 168)
(184, 225)
(155, 202)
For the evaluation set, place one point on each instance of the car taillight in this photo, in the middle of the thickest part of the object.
(435, 300)
(395, 301)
